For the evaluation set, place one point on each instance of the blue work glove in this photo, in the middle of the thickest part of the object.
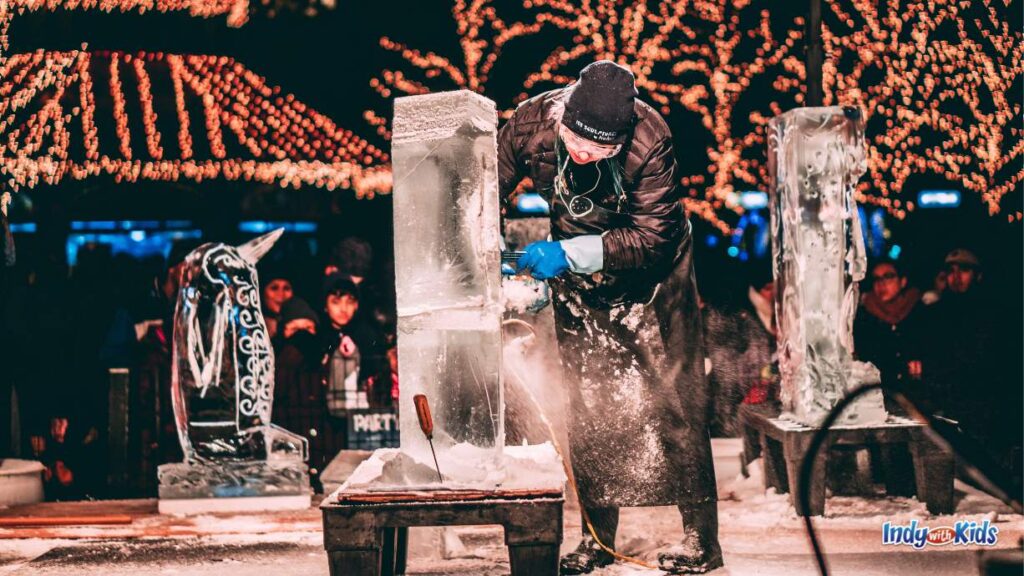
(544, 260)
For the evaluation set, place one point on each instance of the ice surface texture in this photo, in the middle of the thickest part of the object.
(447, 265)
(222, 379)
(816, 156)
(233, 479)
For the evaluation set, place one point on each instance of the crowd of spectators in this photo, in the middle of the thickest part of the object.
(331, 327)
(332, 324)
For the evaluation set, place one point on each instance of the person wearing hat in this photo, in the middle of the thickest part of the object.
(627, 319)
(968, 351)
(972, 359)
(300, 405)
(963, 271)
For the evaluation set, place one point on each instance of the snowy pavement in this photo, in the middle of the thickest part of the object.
(760, 534)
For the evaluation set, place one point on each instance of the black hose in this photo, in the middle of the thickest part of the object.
(804, 483)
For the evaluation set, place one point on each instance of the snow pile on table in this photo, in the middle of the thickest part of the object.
(463, 467)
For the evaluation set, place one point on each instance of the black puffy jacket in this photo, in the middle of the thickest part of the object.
(648, 231)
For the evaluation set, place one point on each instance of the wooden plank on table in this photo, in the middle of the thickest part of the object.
(443, 496)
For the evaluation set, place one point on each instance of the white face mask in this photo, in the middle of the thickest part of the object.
(584, 151)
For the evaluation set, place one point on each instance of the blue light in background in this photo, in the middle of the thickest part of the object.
(754, 199)
(938, 198)
(137, 243)
(94, 225)
(139, 225)
(733, 251)
(111, 225)
(532, 203)
(711, 241)
(873, 229)
(894, 252)
(23, 227)
(263, 226)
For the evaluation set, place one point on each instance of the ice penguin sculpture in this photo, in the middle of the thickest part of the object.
(222, 389)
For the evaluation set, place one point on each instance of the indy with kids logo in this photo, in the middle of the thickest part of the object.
(962, 533)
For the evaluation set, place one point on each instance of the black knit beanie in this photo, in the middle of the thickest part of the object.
(600, 107)
(295, 309)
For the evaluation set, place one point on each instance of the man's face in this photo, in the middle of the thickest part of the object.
(886, 282)
(583, 151)
(960, 277)
(341, 308)
(277, 292)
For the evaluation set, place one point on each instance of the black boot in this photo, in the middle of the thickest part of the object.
(586, 558)
(589, 556)
(699, 552)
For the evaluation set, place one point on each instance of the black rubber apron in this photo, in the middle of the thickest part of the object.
(633, 361)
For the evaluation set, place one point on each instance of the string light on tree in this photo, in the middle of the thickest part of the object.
(237, 11)
(252, 130)
(688, 58)
(939, 82)
(704, 58)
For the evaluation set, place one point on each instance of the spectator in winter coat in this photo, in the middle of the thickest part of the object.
(300, 404)
(277, 289)
(887, 328)
(354, 349)
(740, 342)
(972, 358)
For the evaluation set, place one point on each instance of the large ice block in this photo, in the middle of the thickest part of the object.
(447, 270)
(815, 157)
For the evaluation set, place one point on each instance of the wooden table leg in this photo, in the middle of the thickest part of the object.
(933, 472)
(795, 450)
(354, 562)
(355, 546)
(751, 448)
(533, 535)
(897, 469)
(389, 552)
(401, 550)
(773, 464)
(539, 559)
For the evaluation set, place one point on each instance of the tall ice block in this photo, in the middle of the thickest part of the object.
(447, 265)
(816, 156)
